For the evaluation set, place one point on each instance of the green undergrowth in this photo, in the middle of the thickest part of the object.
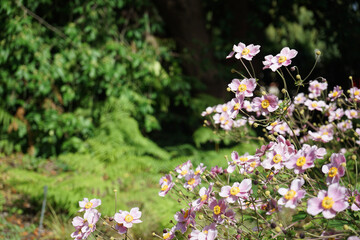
(118, 158)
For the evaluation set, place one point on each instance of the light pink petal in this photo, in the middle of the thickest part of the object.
(245, 185)
(329, 213)
(336, 192)
(230, 55)
(95, 202)
(136, 221)
(340, 206)
(135, 213)
(325, 169)
(292, 53)
(225, 191)
(314, 206)
(282, 191)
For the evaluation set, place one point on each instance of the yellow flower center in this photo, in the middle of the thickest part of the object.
(88, 205)
(265, 103)
(273, 124)
(325, 133)
(242, 88)
(226, 123)
(222, 119)
(253, 164)
(191, 181)
(163, 188)
(165, 180)
(301, 161)
(282, 59)
(183, 172)
(224, 108)
(234, 191)
(282, 128)
(217, 210)
(327, 202)
(166, 236)
(237, 106)
(186, 214)
(91, 225)
(203, 197)
(128, 218)
(243, 159)
(290, 195)
(197, 172)
(335, 93)
(314, 104)
(353, 113)
(357, 92)
(206, 232)
(333, 171)
(245, 51)
(277, 158)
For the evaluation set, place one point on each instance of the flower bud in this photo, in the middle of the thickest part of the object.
(273, 225)
(263, 93)
(350, 77)
(298, 77)
(154, 234)
(267, 193)
(201, 217)
(346, 227)
(228, 89)
(283, 90)
(318, 52)
(293, 68)
(278, 229)
(353, 157)
(343, 164)
(222, 216)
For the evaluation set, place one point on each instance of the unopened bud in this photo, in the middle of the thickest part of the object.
(346, 227)
(292, 68)
(218, 183)
(255, 125)
(201, 217)
(353, 157)
(350, 77)
(277, 187)
(222, 216)
(274, 179)
(283, 90)
(267, 193)
(154, 234)
(318, 52)
(228, 89)
(263, 93)
(298, 77)
(343, 164)
(278, 229)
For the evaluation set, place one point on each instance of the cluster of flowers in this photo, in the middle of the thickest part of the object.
(291, 187)
(86, 225)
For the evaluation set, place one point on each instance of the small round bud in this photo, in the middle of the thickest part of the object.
(353, 157)
(154, 234)
(264, 187)
(111, 219)
(258, 191)
(280, 225)
(201, 217)
(273, 225)
(255, 182)
(104, 223)
(112, 238)
(346, 227)
(277, 187)
(343, 164)
(274, 179)
(298, 77)
(228, 89)
(275, 133)
(263, 93)
(318, 52)
(257, 172)
(283, 90)
(350, 77)
(267, 193)
(293, 68)
(115, 190)
(239, 231)
(222, 216)
(164, 231)
(238, 237)
(302, 235)
(278, 229)
(255, 125)
(218, 183)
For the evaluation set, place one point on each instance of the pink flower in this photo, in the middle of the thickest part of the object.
(277, 157)
(183, 169)
(184, 219)
(266, 104)
(261, 152)
(329, 203)
(283, 58)
(268, 61)
(244, 87)
(166, 185)
(238, 190)
(216, 170)
(89, 223)
(325, 133)
(300, 98)
(208, 111)
(250, 166)
(208, 233)
(239, 160)
(248, 106)
(204, 197)
(352, 113)
(335, 169)
(219, 208)
(302, 160)
(345, 125)
(315, 105)
(87, 205)
(168, 235)
(293, 195)
(127, 219)
(335, 94)
(355, 94)
(355, 199)
(236, 105)
(316, 87)
(191, 181)
(336, 115)
(243, 51)
(200, 169)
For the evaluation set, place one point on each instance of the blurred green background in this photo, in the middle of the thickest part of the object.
(103, 95)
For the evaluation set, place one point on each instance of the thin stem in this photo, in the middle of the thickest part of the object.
(317, 59)
(246, 68)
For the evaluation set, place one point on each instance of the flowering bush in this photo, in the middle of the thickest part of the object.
(301, 183)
